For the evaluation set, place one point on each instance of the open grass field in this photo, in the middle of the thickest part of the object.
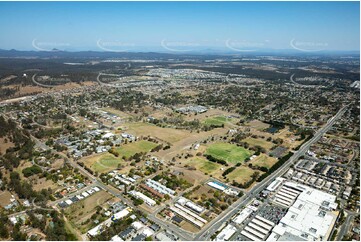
(259, 125)
(241, 174)
(264, 160)
(135, 147)
(219, 120)
(230, 153)
(204, 165)
(117, 112)
(167, 134)
(79, 212)
(261, 142)
(103, 163)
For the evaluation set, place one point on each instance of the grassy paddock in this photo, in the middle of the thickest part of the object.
(264, 160)
(204, 165)
(260, 142)
(241, 174)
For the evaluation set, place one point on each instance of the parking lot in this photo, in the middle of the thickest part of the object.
(272, 213)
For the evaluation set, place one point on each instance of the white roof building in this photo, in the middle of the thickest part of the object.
(275, 184)
(226, 233)
(143, 197)
(116, 238)
(121, 214)
(311, 217)
(243, 216)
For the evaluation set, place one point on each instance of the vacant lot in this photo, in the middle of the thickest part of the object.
(5, 145)
(42, 183)
(5, 198)
(167, 134)
(103, 163)
(80, 212)
(241, 174)
(264, 160)
(130, 149)
(204, 165)
(230, 153)
(119, 113)
(256, 124)
(260, 142)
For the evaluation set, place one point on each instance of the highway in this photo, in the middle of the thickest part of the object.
(210, 228)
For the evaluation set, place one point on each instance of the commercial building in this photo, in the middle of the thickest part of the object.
(311, 217)
(275, 184)
(242, 216)
(258, 229)
(226, 233)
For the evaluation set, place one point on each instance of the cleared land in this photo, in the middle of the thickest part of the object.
(259, 125)
(167, 134)
(204, 165)
(135, 147)
(80, 212)
(260, 142)
(230, 153)
(5, 198)
(264, 160)
(241, 174)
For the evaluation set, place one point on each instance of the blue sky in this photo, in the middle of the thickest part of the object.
(179, 25)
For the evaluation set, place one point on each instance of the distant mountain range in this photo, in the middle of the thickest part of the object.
(55, 53)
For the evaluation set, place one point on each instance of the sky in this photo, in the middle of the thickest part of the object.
(180, 26)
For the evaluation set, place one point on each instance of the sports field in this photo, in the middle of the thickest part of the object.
(241, 174)
(230, 153)
(260, 142)
(204, 165)
(103, 163)
(135, 147)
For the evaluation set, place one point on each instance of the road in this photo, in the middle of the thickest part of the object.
(210, 228)
(345, 227)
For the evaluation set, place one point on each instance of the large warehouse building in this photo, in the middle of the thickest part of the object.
(311, 217)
